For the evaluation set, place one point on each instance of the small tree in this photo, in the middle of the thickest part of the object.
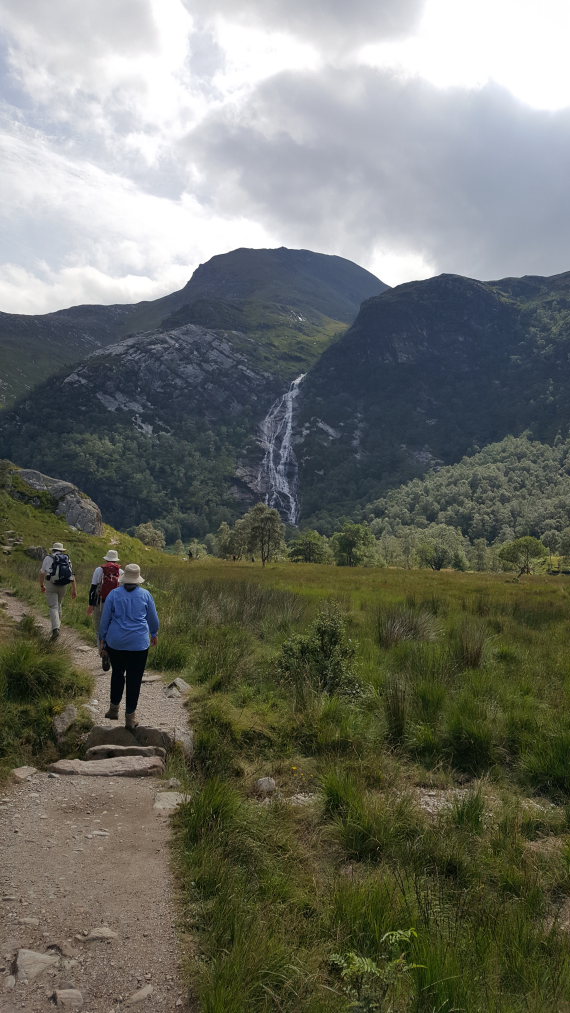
(265, 531)
(149, 535)
(310, 547)
(355, 545)
(434, 555)
(553, 540)
(523, 553)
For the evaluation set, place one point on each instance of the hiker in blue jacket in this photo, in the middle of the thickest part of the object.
(129, 625)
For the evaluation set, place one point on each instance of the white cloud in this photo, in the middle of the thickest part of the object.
(521, 45)
(91, 231)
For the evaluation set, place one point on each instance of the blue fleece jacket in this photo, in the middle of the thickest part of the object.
(129, 619)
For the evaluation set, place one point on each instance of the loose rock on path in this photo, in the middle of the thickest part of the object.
(85, 879)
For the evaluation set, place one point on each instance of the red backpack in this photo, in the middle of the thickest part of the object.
(111, 573)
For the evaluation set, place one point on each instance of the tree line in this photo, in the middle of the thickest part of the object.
(261, 535)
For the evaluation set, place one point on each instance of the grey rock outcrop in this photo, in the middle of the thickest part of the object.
(78, 510)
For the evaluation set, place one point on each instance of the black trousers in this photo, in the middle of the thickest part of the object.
(126, 666)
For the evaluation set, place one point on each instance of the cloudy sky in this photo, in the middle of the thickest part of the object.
(141, 137)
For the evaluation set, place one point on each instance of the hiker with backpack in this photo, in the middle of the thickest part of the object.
(129, 625)
(104, 580)
(56, 574)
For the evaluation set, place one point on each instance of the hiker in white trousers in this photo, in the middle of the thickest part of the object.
(55, 592)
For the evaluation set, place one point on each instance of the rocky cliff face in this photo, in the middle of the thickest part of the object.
(428, 372)
(65, 499)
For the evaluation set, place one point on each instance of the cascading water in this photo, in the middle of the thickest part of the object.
(278, 472)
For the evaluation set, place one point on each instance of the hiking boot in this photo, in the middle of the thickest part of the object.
(131, 720)
(54, 634)
(113, 712)
(105, 663)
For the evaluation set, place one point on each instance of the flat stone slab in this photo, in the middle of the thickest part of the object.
(117, 766)
(22, 774)
(168, 801)
(104, 752)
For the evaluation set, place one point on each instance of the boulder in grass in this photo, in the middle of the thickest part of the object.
(265, 786)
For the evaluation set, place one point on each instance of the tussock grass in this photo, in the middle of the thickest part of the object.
(397, 624)
(36, 682)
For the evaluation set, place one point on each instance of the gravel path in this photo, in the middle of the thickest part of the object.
(81, 853)
(155, 708)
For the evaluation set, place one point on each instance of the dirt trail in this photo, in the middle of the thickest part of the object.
(78, 853)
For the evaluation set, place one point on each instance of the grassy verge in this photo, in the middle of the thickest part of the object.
(419, 743)
(36, 683)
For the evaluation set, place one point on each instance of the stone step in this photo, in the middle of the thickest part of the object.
(116, 766)
(105, 735)
(104, 752)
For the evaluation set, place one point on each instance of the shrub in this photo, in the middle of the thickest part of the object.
(322, 660)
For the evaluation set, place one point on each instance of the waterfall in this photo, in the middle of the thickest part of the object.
(278, 473)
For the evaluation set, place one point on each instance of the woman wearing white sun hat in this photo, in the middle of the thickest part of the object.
(129, 625)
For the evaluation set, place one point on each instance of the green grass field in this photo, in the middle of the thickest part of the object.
(420, 722)
(428, 734)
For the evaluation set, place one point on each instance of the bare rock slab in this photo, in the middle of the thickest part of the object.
(30, 964)
(22, 774)
(168, 801)
(117, 766)
(104, 752)
(68, 998)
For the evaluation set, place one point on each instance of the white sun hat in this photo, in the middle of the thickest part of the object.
(57, 547)
(112, 556)
(132, 574)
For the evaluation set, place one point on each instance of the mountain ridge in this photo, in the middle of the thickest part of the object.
(178, 408)
(61, 338)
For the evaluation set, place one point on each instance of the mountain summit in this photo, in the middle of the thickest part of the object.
(231, 290)
(173, 411)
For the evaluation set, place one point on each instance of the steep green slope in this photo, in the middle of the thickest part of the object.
(512, 488)
(288, 297)
(164, 425)
(428, 372)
